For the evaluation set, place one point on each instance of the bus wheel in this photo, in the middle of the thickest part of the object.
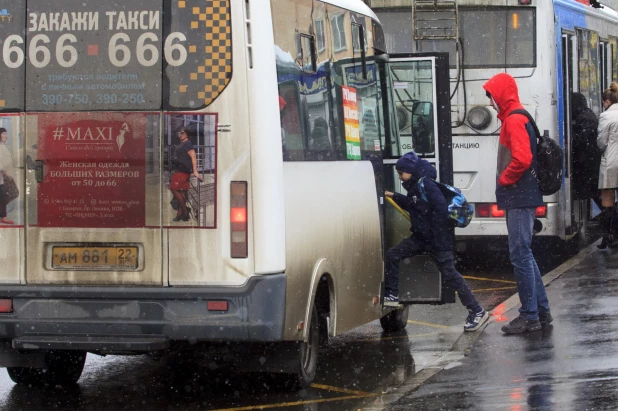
(395, 320)
(61, 368)
(307, 359)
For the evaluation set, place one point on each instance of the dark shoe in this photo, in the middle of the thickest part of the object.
(180, 218)
(391, 300)
(521, 325)
(545, 318)
(475, 320)
(607, 241)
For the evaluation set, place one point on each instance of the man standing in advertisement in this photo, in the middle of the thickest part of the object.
(184, 163)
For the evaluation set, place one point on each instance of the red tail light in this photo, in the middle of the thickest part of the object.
(238, 219)
(496, 212)
(483, 210)
(541, 211)
(6, 305)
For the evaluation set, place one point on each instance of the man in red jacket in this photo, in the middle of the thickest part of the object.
(517, 192)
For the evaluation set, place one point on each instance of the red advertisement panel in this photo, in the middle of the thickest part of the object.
(94, 169)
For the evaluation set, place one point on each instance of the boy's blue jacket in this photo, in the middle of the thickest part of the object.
(429, 218)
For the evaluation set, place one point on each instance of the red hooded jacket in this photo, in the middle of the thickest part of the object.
(516, 187)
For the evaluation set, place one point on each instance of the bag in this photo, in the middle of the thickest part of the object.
(549, 159)
(10, 187)
(460, 212)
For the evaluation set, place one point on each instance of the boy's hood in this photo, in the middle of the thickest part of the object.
(418, 167)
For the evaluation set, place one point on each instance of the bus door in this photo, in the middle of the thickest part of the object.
(572, 210)
(93, 198)
(417, 113)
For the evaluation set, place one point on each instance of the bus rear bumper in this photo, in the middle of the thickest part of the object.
(140, 319)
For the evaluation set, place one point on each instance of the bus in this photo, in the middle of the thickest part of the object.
(276, 240)
(552, 49)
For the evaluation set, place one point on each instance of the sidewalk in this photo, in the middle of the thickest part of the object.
(570, 365)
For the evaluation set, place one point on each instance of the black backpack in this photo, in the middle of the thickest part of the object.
(549, 159)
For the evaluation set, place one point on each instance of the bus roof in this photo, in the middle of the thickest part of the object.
(356, 6)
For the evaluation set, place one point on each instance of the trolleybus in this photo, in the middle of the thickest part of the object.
(552, 48)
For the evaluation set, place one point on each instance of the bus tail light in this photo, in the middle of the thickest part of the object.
(541, 211)
(238, 219)
(483, 210)
(6, 305)
(496, 212)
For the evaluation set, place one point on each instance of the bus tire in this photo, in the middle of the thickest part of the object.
(307, 359)
(61, 368)
(395, 320)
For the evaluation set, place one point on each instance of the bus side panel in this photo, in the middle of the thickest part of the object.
(331, 212)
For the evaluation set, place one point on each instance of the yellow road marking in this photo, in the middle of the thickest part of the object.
(356, 395)
(492, 289)
(345, 390)
(467, 277)
(428, 324)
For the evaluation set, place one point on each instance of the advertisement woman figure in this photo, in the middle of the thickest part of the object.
(6, 166)
(184, 164)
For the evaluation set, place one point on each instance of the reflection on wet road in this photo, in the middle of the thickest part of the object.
(570, 365)
(356, 368)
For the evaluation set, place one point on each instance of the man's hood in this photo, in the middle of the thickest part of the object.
(503, 89)
(578, 104)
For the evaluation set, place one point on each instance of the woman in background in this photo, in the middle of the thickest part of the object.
(607, 141)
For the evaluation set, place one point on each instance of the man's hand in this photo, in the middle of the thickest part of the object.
(198, 176)
(389, 194)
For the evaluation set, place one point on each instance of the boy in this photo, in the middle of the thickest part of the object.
(431, 233)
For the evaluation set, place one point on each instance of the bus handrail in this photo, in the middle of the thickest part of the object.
(401, 210)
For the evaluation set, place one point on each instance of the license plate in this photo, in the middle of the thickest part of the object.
(95, 258)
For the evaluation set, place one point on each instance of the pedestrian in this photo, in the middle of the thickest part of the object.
(586, 156)
(430, 233)
(517, 192)
(8, 188)
(607, 141)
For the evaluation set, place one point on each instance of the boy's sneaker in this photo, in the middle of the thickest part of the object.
(520, 325)
(391, 300)
(475, 320)
(545, 318)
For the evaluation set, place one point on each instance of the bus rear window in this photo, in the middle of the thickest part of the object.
(492, 37)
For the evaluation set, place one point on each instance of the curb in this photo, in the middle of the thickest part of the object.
(462, 346)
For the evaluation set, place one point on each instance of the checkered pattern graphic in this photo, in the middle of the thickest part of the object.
(211, 78)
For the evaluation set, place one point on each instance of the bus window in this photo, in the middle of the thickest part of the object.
(588, 67)
(413, 94)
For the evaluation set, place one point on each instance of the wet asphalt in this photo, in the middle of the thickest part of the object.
(362, 369)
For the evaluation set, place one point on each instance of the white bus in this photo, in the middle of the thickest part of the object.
(277, 239)
(552, 48)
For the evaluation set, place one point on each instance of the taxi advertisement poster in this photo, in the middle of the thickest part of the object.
(93, 169)
(350, 120)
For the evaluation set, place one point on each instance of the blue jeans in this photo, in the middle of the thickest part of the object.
(519, 222)
(412, 246)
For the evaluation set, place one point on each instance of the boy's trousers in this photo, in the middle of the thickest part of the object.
(412, 246)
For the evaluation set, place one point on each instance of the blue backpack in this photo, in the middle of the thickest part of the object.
(459, 211)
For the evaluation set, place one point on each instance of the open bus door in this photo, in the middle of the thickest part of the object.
(573, 211)
(417, 113)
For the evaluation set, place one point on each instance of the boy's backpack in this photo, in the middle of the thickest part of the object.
(549, 157)
(459, 211)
